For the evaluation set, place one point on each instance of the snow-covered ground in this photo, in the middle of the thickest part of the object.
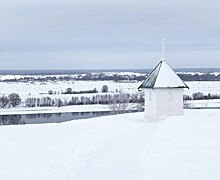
(120, 147)
(199, 73)
(213, 103)
(64, 109)
(38, 89)
(212, 87)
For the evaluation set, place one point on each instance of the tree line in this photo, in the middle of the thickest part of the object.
(201, 96)
(114, 77)
(83, 100)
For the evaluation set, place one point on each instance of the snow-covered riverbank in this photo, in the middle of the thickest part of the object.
(37, 110)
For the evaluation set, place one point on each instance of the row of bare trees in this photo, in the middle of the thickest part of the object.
(201, 96)
(118, 101)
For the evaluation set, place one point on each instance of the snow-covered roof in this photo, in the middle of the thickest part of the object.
(163, 76)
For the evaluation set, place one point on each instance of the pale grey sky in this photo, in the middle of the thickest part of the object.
(108, 34)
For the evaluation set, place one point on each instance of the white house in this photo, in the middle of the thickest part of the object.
(163, 92)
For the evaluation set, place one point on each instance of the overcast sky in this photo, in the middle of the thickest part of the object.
(108, 34)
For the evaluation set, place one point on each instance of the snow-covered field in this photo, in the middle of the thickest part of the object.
(212, 87)
(38, 89)
(120, 147)
(213, 103)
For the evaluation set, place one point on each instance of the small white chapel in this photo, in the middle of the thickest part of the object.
(163, 91)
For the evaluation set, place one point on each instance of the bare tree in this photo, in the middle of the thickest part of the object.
(4, 101)
(14, 99)
(119, 102)
(140, 103)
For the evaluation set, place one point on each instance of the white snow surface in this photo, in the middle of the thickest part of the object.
(120, 147)
(203, 87)
(199, 73)
(64, 109)
(167, 78)
(212, 103)
(39, 90)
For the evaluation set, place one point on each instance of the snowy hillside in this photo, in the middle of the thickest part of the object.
(121, 147)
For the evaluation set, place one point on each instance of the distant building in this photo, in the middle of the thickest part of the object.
(163, 92)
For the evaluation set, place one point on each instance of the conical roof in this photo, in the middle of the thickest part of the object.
(162, 77)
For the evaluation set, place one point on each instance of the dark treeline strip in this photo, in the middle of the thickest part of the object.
(115, 77)
(70, 91)
(87, 77)
(201, 96)
(202, 77)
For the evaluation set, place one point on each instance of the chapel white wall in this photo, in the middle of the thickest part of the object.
(163, 102)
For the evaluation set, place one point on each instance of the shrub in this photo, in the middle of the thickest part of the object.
(104, 89)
